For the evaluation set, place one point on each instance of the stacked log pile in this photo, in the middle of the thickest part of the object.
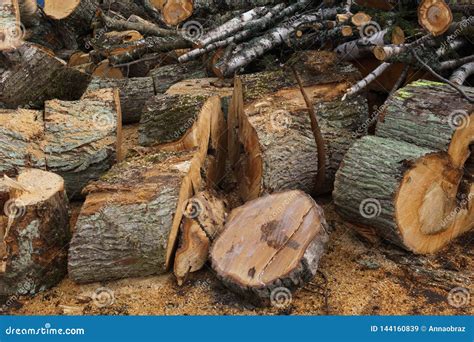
(261, 101)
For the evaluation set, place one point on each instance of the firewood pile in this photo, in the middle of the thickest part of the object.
(245, 114)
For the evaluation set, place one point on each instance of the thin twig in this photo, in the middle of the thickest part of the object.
(441, 78)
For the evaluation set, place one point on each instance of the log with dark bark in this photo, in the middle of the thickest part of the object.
(129, 223)
(134, 92)
(269, 124)
(82, 138)
(432, 115)
(165, 76)
(34, 233)
(204, 220)
(31, 75)
(407, 193)
(74, 16)
(269, 245)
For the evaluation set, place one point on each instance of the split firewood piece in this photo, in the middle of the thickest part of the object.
(129, 223)
(134, 92)
(11, 29)
(270, 245)
(183, 121)
(447, 124)
(20, 132)
(409, 194)
(79, 58)
(270, 126)
(462, 74)
(204, 220)
(435, 16)
(115, 43)
(83, 138)
(37, 75)
(74, 15)
(165, 76)
(34, 233)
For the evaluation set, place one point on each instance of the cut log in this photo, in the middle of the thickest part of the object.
(106, 71)
(271, 243)
(11, 30)
(408, 194)
(432, 115)
(270, 125)
(435, 16)
(176, 11)
(34, 234)
(204, 220)
(83, 138)
(129, 223)
(74, 15)
(134, 92)
(165, 76)
(35, 76)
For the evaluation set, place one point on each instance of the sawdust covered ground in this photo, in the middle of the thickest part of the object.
(358, 275)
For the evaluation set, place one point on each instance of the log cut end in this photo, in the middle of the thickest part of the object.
(271, 242)
(435, 16)
(60, 9)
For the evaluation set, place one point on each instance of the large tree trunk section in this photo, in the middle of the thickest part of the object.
(74, 15)
(431, 115)
(129, 223)
(273, 129)
(407, 193)
(272, 242)
(83, 138)
(134, 92)
(204, 220)
(165, 76)
(11, 30)
(34, 234)
(34, 75)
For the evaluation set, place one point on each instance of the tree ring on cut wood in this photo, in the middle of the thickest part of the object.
(60, 9)
(435, 16)
(273, 241)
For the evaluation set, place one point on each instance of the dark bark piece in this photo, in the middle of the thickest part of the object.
(431, 115)
(82, 139)
(34, 234)
(204, 220)
(405, 192)
(270, 124)
(272, 242)
(165, 76)
(72, 15)
(129, 223)
(134, 92)
(34, 75)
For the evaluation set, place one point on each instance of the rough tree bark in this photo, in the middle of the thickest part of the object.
(34, 234)
(271, 243)
(270, 125)
(31, 75)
